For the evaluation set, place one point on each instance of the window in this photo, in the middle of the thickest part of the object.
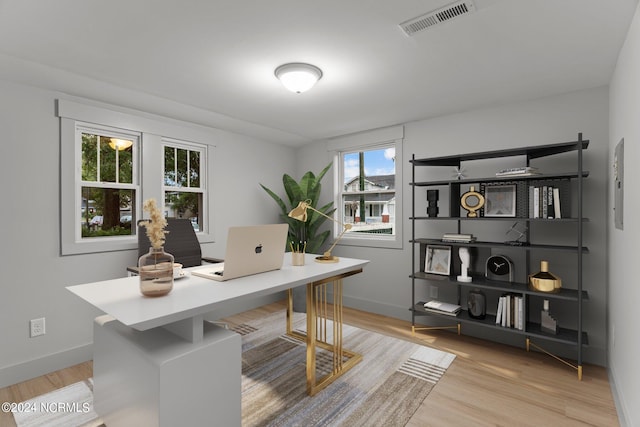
(108, 181)
(184, 181)
(366, 187)
(111, 160)
(368, 197)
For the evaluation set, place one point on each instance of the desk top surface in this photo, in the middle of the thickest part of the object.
(192, 295)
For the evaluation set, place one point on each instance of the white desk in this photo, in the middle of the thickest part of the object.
(181, 313)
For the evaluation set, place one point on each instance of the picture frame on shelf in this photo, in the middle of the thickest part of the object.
(438, 260)
(500, 201)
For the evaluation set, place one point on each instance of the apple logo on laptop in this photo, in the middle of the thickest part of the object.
(259, 249)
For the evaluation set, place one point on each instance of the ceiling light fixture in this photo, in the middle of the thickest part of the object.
(120, 144)
(298, 77)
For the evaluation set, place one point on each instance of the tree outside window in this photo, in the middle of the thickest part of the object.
(183, 181)
(108, 183)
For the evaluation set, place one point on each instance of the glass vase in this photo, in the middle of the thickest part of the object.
(155, 270)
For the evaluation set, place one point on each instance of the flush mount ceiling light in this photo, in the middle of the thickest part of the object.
(298, 77)
(120, 144)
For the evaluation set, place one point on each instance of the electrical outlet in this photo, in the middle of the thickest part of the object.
(37, 327)
(433, 292)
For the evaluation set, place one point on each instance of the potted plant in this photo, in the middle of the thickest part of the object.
(308, 189)
(306, 233)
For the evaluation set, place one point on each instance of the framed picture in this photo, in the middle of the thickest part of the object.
(500, 200)
(438, 260)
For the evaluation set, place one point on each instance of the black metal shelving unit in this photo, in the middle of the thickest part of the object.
(576, 338)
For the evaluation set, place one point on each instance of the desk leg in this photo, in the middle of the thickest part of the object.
(318, 338)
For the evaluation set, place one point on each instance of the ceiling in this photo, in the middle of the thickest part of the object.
(219, 56)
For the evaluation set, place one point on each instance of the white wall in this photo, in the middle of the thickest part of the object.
(624, 289)
(385, 286)
(34, 275)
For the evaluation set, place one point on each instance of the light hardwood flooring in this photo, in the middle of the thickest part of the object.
(488, 384)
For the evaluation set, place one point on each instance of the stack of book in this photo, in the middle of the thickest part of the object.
(544, 202)
(458, 238)
(442, 308)
(510, 312)
(520, 171)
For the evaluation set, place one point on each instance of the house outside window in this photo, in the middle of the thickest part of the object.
(184, 181)
(368, 198)
(369, 174)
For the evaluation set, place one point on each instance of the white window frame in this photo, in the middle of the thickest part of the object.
(202, 189)
(150, 130)
(367, 141)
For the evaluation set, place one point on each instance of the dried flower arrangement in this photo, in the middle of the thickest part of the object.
(155, 225)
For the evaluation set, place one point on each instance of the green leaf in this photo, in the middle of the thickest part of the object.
(309, 188)
(277, 198)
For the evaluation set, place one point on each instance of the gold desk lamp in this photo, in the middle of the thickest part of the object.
(300, 213)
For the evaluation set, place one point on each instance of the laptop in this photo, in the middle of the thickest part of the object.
(250, 250)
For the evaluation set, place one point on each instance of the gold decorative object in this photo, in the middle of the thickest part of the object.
(545, 281)
(300, 213)
(472, 201)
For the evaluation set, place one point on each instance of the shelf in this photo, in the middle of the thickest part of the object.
(479, 244)
(491, 218)
(564, 335)
(497, 286)
(567, 177)
(533, 152)
(540, 177)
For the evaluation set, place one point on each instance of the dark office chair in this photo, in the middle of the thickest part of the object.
(180, 241)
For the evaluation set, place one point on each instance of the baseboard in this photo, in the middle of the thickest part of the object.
(24, 371)
(621, 407)
(376, 307)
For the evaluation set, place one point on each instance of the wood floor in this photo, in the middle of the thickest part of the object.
(487, 385)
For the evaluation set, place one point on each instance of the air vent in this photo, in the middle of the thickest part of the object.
(438, 16)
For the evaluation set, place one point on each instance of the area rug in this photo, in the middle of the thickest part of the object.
(385, 389)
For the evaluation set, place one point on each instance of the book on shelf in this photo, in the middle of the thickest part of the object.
(519, 171)
(544, 202)
(549, 199)
(459, 238)
(499, 311)
(510, 311)
(446, 313)
(442, 307)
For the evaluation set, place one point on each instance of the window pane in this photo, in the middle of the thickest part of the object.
(182, 171)
(107, 161)
(371, 175)
(125, 164)
(107, 212)
(185, 205)
(169, 166)
(89, 157)
(194, 163)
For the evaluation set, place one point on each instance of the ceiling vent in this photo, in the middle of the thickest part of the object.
(438, 16)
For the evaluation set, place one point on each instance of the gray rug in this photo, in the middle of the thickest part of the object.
(385, 389)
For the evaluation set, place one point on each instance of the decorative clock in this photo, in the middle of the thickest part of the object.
(499, 267)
